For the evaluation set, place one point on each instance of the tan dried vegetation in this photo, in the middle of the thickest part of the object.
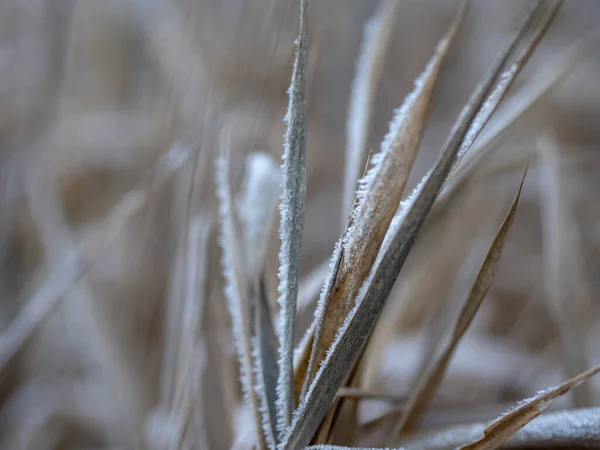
(148, 299)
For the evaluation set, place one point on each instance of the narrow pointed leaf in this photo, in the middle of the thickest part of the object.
(427, 385)
(292, 220)
(579, 428)
(233, 260)
(505, 81)
(562, 264)
(503, 428)
(265, 366)
(257, 209)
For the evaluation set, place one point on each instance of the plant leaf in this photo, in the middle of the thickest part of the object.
(506, 80)
(292, 219)
(257, 209)
(233, 260)
(357, 325)
(577, 428)
(426, 386)
(562, 429)
(265, 365)
(504, 427)
(562, 264)
(369, 66)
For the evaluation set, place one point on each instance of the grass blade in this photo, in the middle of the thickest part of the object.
(233, 259)
(503, 428)
(292, 218)
(264, 351)
(578, 428)
(379, 194)
(369, 67)
(356, 327)
(562, 265)
(187, 402)
(506, 80)
(257, 209)
(563, 429)
(426, 386)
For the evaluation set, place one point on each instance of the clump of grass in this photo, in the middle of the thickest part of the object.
(308, 395)
(378, 237)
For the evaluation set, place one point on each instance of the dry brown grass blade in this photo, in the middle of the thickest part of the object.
(503, 428)
(357, 325)
(380, 194)
(577, 428)
(77, 264)
(426, 386)
(443, 315)
(562, 264)
(369, 67)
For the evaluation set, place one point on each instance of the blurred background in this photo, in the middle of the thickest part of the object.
(93, 93)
